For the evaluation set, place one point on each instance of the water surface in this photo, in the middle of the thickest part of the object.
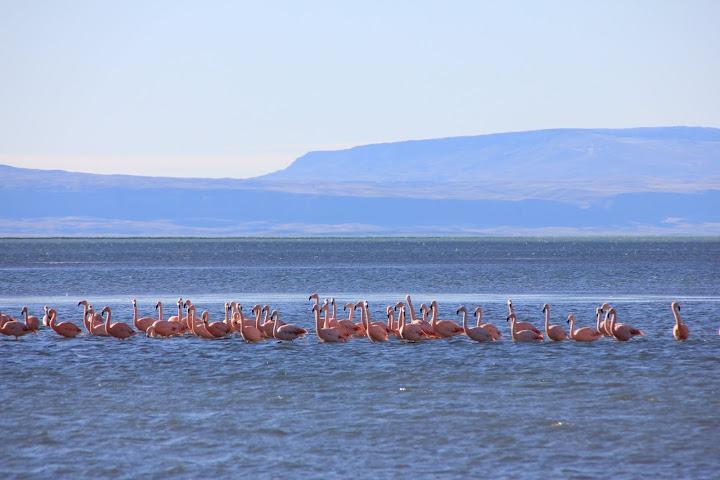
(186, 407)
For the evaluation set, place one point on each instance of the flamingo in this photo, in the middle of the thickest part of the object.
(410, 331)
(219, 329)
(143, 323)
(479, 334)
(328, 335)
(584, 334)
(374, 331)
(200, 329)
(620, 332)
(285, 331)
(13, 328)
(32, 322)
(680, 330)
(64, 329)
(162, 328)
(554, 332)
(119, 330)
(522, 335)
(522, 325)
(443, 328)
(94, 328)
(252, 333)
(93, 322)
(634, 332)
(365, 311)
(358, 328)
(487, 326)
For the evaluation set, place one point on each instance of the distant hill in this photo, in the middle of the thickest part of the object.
(569, 181)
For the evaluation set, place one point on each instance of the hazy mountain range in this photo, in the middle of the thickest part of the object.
(566, 181)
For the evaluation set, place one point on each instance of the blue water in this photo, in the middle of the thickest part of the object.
(186, 408)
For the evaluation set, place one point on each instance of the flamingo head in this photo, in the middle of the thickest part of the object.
(349, 305)
(134, 302)
(314, 296)
(316, 308)
(407, 298)
(511, 317)
(399, 305)
(106, 309)
(509, 302)
(275, 315)
(546, 307)
(461, 309)
(604, 307)
(423, 308)
(675, 306)
(571, 318)
(24, 310)
(478, 311)
(82, 302)
(158, 305)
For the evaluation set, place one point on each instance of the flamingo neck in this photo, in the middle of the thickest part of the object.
(351, 313)
(547, 319)
(160, 314)
(512, 327)
(433, 309)
(676, 314)
(572, 326)
(53, 318)
(465, 324)
(107, 322)
(479, 318)
(413, 317)
(318, 326)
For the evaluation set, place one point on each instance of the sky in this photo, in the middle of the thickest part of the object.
(238, 89)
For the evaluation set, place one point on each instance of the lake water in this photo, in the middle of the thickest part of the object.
(188, 408)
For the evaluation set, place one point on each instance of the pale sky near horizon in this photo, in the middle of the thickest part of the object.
(237, 89)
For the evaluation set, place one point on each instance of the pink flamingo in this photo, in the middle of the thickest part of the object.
(119, 330)
(554, 332)
(620, 332)
(443, 328)
(423, 322)
(328, 335)
(199, 329)
(285, 331)
(93, 322)
(522, 335)
(94, 328)
(363, 304)
(143, 323)
(13, 328)
(252, 333)
(633, 331)
(374, 331)
(584, 334)
(162, 328)
(219, 329)
(64, 329)
(487, 326)
(479, 334)
(680, 330)
(32, 322)
(410, 331)
(522, 325)
(358, 328)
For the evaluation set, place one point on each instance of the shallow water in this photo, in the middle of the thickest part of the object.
(186, 407)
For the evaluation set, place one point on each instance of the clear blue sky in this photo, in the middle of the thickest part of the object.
(195, 88)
